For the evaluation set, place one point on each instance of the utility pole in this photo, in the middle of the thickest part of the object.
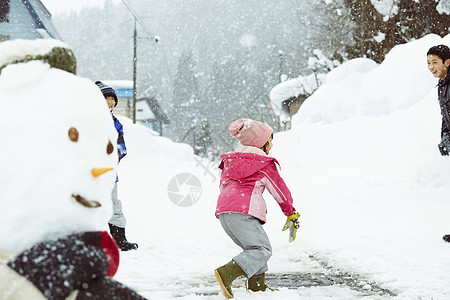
(135, 56)
(134, 69)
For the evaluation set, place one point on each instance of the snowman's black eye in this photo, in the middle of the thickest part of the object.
(73, 134)
(109, 148)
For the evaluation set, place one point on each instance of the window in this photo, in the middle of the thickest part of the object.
(4, 11)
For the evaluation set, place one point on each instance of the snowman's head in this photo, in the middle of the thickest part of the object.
(58, 150)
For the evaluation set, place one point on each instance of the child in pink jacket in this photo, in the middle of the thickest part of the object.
(241, 208)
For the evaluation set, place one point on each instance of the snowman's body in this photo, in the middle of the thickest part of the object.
(57, 159)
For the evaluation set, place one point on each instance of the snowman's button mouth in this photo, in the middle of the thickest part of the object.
(87, 203)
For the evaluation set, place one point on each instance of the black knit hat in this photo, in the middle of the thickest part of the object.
(107, 91)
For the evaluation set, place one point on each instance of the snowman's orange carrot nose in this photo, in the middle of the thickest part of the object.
(97, 172)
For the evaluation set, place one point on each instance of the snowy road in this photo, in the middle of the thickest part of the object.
(320, 282)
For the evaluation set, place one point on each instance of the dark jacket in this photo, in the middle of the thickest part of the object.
(444, 103)
(83, 261)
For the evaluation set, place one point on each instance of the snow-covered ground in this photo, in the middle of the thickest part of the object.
(363, 166)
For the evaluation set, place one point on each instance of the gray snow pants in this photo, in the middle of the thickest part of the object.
(247, 232)
(118, 219)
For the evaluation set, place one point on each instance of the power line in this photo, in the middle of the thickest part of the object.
(138, 20)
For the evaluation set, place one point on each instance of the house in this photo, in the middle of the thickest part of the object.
(148, 110)
(150, 114)
(287, 97)
(290, 107)
(25, 19)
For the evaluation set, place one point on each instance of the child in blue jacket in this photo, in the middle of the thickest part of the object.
(118, 220)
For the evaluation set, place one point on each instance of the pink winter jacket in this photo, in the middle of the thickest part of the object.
(245, 174)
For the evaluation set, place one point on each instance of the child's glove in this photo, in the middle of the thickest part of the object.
(293, 225)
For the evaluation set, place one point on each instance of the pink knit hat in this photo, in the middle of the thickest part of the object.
(250, 132)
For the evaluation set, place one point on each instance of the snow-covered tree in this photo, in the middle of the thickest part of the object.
(203, 139)
(186, 96)
(330, 27)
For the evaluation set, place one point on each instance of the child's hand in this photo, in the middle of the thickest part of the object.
(293, 224)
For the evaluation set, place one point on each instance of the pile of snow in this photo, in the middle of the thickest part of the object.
(377, 124)
(367, 174)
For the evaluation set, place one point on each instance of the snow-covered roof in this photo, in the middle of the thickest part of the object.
(302, 85)
(143, 111)
(124, 84)
(42, 18)
(149, 109)
(124, 88)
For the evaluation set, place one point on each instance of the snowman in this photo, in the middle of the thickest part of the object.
(57, 168)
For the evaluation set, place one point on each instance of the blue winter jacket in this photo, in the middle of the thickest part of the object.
(121, 148)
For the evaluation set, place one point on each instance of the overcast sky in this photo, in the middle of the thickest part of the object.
(61, 6)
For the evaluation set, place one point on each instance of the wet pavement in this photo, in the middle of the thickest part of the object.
(297, 280)
(329, 277)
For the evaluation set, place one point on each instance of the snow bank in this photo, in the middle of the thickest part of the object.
(367, 175)
(377, 124)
